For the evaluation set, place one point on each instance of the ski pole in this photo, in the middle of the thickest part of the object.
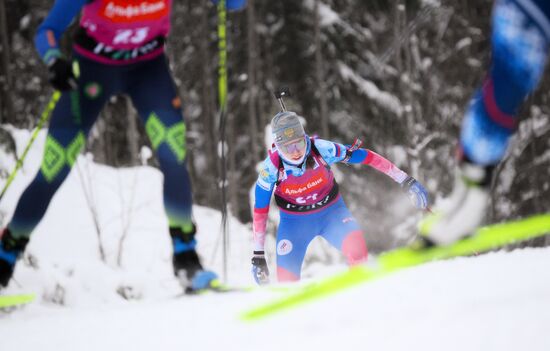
(43, 119)
(222, 101)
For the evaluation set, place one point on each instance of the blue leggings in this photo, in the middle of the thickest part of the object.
(334, 223)
(153, 93)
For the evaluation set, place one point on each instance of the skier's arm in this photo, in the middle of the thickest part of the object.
(50, 31)
(262, 197)
(261, 210)
(415, 190)
(335, 152)
(381, 164)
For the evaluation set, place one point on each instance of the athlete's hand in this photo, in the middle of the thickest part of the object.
(416, 192)
(60, 74)
(259, 268)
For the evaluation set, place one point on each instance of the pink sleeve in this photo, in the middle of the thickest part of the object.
(385, 166)
(259, 225)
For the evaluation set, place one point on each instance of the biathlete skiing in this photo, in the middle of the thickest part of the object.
(298, 173)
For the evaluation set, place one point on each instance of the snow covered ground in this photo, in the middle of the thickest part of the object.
(499, 301)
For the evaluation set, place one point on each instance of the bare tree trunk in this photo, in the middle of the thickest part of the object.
(6, 81)
(268, 75)
(251, 83)
(397, 57)
(110, 144)
(320, 75)
(208, 104)
(263, 118)
(403, 67)
(406, 51)
(133, 133)
(398, 11)
(232, 178)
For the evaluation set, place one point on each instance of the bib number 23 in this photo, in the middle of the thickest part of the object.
(131, 36)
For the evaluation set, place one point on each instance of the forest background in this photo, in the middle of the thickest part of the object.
(396, 74)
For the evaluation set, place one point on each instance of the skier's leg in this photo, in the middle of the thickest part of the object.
(154, 94)
(293, 237)
(520, 46)
(69, 125)
(342, 231)
(55, 167)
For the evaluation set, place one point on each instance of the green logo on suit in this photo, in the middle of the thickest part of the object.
(173, 136)
(56, 156)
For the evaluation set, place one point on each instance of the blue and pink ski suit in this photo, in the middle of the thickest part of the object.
(310, 204)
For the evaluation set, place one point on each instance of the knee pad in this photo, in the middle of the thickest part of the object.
(284, 275)
(354, 248)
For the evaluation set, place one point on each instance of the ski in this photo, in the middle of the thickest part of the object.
(8, 301)
(482, 240)
(218, 287)
(215, 287)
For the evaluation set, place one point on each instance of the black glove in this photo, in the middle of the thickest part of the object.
(60, 74)
(259, 268)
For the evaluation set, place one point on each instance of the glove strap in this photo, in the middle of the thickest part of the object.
(406, 184)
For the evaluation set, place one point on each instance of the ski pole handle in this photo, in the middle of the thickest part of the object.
(43, 118)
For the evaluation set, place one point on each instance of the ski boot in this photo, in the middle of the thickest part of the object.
(462, 212)
(10, 249)
(187, 266)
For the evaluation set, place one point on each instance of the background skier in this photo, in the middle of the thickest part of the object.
(118, 48)
(520, 39)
